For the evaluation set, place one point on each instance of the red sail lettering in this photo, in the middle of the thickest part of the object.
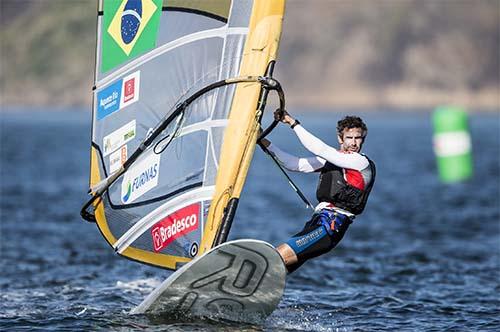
(175, 225)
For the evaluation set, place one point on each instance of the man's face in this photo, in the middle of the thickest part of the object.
(351, 140)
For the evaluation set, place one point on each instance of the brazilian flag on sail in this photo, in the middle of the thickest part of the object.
(129, 30)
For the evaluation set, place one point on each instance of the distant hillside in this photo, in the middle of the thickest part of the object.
(403, 53)
(394, 52)
(48, 51)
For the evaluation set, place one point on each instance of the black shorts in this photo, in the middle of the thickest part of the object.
(319, 235)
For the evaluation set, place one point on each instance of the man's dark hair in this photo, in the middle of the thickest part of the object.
(351, 122)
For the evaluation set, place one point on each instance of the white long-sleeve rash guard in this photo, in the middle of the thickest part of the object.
(322, 152)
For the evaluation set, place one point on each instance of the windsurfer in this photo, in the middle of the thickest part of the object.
(345, 181)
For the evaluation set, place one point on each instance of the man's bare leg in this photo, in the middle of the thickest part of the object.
(287, 254)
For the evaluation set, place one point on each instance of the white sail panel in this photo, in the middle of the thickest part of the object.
(153, 56)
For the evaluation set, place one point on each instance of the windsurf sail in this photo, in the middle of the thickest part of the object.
(179, 92)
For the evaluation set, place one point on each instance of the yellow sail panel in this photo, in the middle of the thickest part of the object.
(100, 216)
(167, 261)
(240, 137)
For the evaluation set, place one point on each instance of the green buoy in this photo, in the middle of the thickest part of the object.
(452, 144)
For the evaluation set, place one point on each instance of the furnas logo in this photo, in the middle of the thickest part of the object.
(140, 178)
(130, 28)
(174, 226)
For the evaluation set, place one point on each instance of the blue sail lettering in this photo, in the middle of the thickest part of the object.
(145, 177)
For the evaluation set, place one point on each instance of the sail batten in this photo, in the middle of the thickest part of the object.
(175, 120)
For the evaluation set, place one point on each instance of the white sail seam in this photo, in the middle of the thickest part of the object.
(203, 125)
(212, 148)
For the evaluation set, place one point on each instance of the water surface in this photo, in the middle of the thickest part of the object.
(423, 257)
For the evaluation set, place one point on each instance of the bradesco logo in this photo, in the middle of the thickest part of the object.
(174, 226)
(141, 178)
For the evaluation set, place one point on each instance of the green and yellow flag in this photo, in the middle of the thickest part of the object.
(129, 30)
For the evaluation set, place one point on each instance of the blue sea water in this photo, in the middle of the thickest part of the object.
(424, 256)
